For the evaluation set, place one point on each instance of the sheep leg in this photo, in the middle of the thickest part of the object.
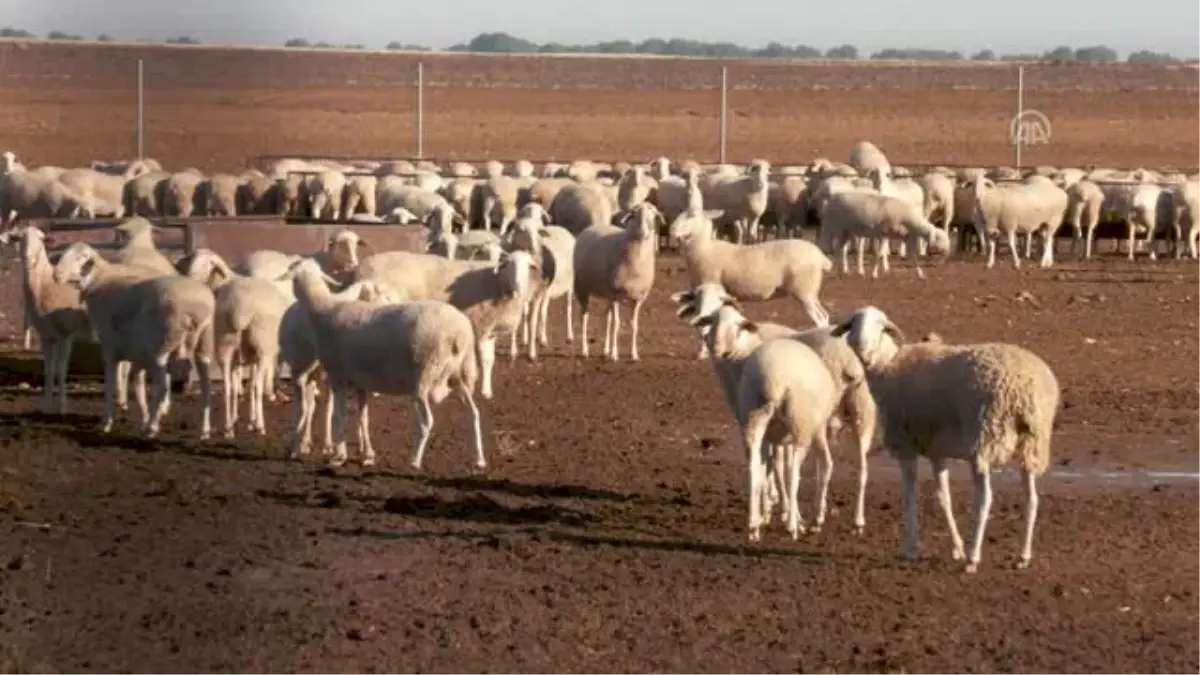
(1029, 482)
(983, 505)
(1047, 248)
(122, 384)
(633, 331)
(911, 548)
(753, 432)
(258, 393)
(364, 431)
(1131, 231)
(465, 393)
(915, 258)
(1149, 243)
(202, 365)
(111, 371)
(824, 473)
(845, 250)
(1087, 246)
(570, 323)
(487, 361)
(1016, 253)
(425, 428)
(794, 462)
(327, 448)
(615, 351)
(64, 364)
(520, 328)
(49, 368)
(1028, 245)
(881, 253)
(860, 246)
(337, 405)
(303, 396)
(941, 474)
(139, 393)
(583, 322)
(160, 388)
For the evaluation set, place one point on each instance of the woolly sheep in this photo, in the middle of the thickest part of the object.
(469, 245)
(616, 264)
(986, 404)
(497, 201)
(424, 349)
(245, 331)
(522, 168)
(144, 195)
(791, 267)
(1085, 203)
(856, 213)
(137, 247)
(218, 195)
(634, 188)
(181, 197)
(855, 405)
(741, 199)
(101, 194)
(338, 259)
(783, 397)
(492, 295)
(297, 348)
(260, 194)
(393, 193)
(54, 310)
(577, 207)
(460, 193)
(937, 191)
(358, 196)
(865, 157)
(36, 194)
(553, 248)
(1012, 208)
(146, 322)
(1187, 210)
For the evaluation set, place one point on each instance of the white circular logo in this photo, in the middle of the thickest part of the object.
(1030, 127)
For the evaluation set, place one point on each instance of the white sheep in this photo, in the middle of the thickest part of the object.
(138, 248)
(182, 193)
(1187, 211)
(870, 215)
(771, 269)
(865, 156)
(616, 264)
(492, 295)
(1085, 205)
(553, 248)
(986, 404)
(338, 259)
(577, 207)
(1009, 209)
(146, 322)
(246, 321)
(783, 399)
(358, 196)
(54, 310)
(424, 349)
(855, 407)
(218, 195)
(393, 192)
(297, 349)
(741, 199)
(470, 245)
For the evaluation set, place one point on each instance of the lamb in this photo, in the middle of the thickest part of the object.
(617, 264)
(856, 213)
(986, 404)
(54, 310)
(741, 199)
(246, 320)
(763, 271)
(1014, 208)
(783, 396)
(577, 207)
(146, 322)
(855, 407)
(553, 248)
(491, 295)
(298, 350)
(424, 349)
(1085, 204)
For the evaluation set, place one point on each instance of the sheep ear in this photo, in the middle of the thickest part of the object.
(842, 328)
(545, 217)
(683, 296)
(894, 330)
(703, 321)
(732, 302)
(713, 214)
(686, 311)
(748, 326)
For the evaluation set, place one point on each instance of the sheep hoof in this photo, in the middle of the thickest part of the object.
(368, 461)
(858, 529)
(971, 568)
(958, 554)
(416, 466)
(336, 461)
(1022, 563)
(910, 553)
(229, 434)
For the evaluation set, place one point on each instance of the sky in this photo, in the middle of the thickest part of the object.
(1005, 26)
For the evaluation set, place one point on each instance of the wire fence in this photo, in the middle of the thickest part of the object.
(205, 105)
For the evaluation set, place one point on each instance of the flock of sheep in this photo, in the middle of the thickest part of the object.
(500, 247)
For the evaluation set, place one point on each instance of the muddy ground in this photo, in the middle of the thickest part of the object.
(608, 534)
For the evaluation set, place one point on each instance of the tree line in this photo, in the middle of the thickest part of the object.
(503, 43)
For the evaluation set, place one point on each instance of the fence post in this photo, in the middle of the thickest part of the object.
(1020, 111)
(420, 110)
(724, 109)
(141, 110)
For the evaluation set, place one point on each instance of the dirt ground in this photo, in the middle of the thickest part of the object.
(609, 532)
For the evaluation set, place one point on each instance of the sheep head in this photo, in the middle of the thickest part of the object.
(727, 332)
(642, 221)
(516, 273)
(534, 211)
(871, 334)
(693, 224)
(343, 246)
(443, 218)
(137, 231)
(205, 265)
(78, 265)
(703, 300)
(9, 162)
(660, 168)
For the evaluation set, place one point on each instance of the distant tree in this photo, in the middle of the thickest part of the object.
(1021, 57)
(59, 35)
(917, 54)
(296, 42)
(10, 32)
(984, 55)
(183, 40)
(500, 43)
(104, 37)
(1096, 54)
(406, 47)
(1059, 54)
(842, 52)
(1147, 56)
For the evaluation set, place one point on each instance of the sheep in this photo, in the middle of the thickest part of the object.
(885, 182)
(634, 188)
(137, 247)
(521, 168)
(783, 396)
(338, 259)
(577, 207)
(616, 264)
(676, 194)
(855, 407)
(36, 194)
(856, 213)
(787, 195)
(865, 156)
(986, 404)
(1013, 208)
(325, 194)
(492, 295)
(181, 196)
(553, 248)
(218, 195)
(424, 349)
(461, 194)
(938, 198)
(497, 205)
(462, 170)
(358, 196)
(1140, 209)
(1085, 203)
(54, 310)
(470, 245)
(143, 196)
(298, 350)
(741, 198)
(393, 193)
(101, 194)
(1187, 210)
(260, 194)
(246, 320)
(660, 168)
(145, 321)
(763, 271)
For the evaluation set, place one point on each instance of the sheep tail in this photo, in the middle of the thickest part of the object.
(1033, 443)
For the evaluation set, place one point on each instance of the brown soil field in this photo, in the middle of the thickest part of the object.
(213, 108)
(609, 532)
